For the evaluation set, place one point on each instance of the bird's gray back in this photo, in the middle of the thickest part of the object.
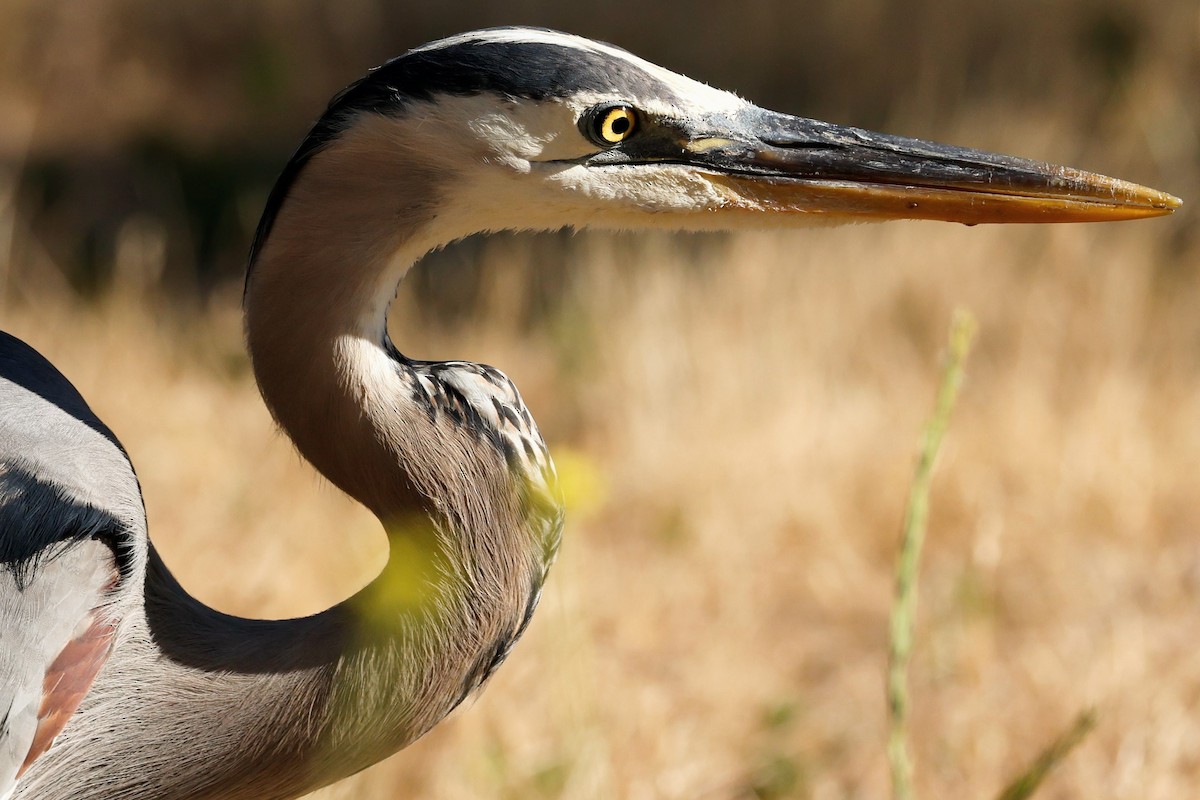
(47, 429)
(72, 550)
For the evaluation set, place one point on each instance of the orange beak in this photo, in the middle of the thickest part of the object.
(775, 162)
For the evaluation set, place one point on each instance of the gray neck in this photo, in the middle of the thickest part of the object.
(464, 569)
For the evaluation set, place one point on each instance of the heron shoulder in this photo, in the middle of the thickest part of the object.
(50, 435)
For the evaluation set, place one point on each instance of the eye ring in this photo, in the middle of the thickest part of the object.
(610, 125)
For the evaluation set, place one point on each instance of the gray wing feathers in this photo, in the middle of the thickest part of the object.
(72, 547)
(39, 618)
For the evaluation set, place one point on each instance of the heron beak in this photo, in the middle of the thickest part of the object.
(783, 163)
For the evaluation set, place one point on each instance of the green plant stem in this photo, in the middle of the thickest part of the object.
(962, 332)
(1028, 781)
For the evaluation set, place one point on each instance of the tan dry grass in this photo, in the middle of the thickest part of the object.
(718, 617)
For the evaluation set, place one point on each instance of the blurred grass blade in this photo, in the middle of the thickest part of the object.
(1028, 781)
(962, 332)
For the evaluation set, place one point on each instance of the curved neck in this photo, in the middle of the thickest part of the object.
(352, 224)
(465, 569)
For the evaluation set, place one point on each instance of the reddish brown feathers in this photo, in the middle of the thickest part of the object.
(67, 682)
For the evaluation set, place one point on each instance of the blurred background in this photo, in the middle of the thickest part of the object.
(735, 416)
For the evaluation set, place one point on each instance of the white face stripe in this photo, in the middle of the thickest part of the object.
(705, 96)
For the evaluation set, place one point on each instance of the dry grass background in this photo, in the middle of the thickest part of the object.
(737, 419)
(740, 432)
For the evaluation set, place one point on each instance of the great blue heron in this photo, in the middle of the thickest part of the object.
(115, 683)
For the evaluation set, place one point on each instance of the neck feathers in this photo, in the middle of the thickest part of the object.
(317, 298)
(445, 454)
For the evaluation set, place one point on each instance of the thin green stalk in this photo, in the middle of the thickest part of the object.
(1029, 780)
(962, 332)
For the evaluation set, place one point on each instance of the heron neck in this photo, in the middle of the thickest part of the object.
(463, 573)
(355, 219)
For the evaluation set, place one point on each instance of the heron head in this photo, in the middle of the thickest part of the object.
(518, 128)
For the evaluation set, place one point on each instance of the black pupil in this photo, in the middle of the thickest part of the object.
(620, 124)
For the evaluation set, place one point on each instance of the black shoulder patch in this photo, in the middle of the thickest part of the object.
(39, 522)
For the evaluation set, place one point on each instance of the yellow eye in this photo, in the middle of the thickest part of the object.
(614, 124)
